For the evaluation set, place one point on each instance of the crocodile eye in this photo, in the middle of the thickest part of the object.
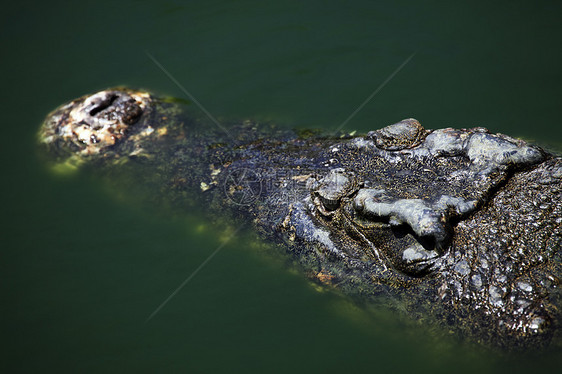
(336, 184)
(428, 220)
(413, 233)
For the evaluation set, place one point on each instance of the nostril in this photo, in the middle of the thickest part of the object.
(103, 104)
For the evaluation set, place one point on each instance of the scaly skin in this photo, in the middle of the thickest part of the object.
(460, 228)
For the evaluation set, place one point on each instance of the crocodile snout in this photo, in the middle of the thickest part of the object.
(94, 122)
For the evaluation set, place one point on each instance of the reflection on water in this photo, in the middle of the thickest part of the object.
(82, 270)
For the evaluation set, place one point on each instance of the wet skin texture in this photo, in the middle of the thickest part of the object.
(461, 229)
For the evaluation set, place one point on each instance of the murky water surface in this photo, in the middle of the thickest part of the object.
(81, 270)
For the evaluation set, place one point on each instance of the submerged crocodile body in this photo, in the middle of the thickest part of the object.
(459, 228)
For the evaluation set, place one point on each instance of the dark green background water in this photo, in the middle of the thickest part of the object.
(80, 272)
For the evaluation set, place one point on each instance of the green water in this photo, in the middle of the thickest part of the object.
(80, 271)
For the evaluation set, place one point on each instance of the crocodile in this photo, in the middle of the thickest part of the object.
(460, 229)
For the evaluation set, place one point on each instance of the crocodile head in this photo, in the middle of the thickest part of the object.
(459, 225)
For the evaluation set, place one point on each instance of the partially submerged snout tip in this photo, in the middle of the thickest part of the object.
(91, 123)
